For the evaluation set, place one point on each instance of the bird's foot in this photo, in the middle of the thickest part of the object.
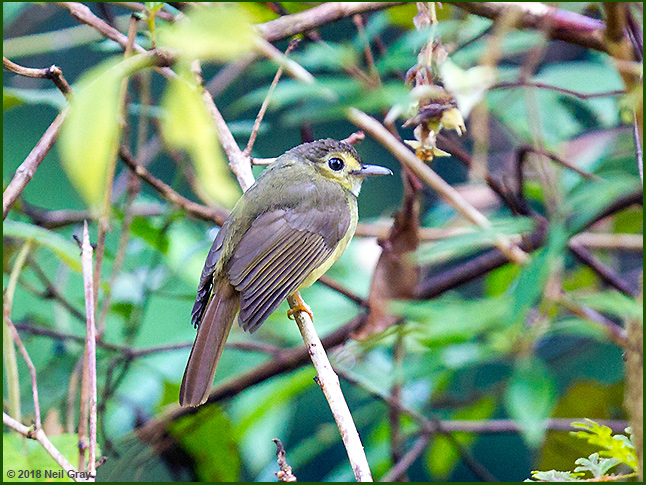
(300, 306)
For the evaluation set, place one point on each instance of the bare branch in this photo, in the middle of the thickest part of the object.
(216, 215)
(595, 240)
(9, 352)
(549, 87)
(39, 435)
(285, 474)
(129, 352)
(90, 308)
(239, 161)
(52, 72)
(329, 383)
(606, 273)
(30, 366)
(28, 168)
(265, 103)
(289, 25)
(395, 473)
(425, 173)
(564, 25)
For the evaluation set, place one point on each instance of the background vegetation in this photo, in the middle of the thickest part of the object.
(481, 333)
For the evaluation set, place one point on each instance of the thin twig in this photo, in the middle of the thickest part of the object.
(83, 14)
(104, 218)
(11, 363)
(285, 473)
(239, 162)
(53, 219)
(40, 436)
(52, 72)
(265, 103)
(30, 366)
(293, 68)
(51, 292)
(72, 387)
(623, 242)
(329, 383)
(616, 333)
(130, 352)
(211, 214)
(606, 273)
(28, 167)
(569, 92)
(400, 468)
(424, 172)
(339, 288)
(90, 309)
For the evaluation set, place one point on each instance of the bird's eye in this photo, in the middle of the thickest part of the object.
(335, 164)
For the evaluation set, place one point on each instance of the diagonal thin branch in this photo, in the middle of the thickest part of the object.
(567, 26)
(424, 172)
(211, 214)
(40, 436)
(28, 168)
(395, 473)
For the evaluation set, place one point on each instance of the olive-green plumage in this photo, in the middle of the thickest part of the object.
(282, 235)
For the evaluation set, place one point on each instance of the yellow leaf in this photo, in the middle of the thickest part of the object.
(221, 31)
(90, 133)
(187, 126)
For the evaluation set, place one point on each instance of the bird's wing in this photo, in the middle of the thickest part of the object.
(279, 251)
(206, 279)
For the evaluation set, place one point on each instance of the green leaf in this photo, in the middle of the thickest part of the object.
(618, 446)
(578, 327)
(188, 126)
(12, 97)
(145, 228)
(596, 465)
(221, 31)
(530, 285)
(90, 134)
(530, 398)
(611, 302)
(65, 249)
(451, 320)
(471, 242)
(589, 198)
(555, 476)
(208, 437)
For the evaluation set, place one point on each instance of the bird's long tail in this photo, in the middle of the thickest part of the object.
(212, 334)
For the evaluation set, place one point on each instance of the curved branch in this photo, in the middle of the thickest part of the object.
(563, 25)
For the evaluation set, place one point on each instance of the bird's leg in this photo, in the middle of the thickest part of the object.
(301, 306)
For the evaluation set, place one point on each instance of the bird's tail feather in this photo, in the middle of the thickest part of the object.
(212, 334)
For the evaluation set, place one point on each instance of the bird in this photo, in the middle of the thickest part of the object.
(282, 235)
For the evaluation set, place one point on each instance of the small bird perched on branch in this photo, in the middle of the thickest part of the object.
(283, 234)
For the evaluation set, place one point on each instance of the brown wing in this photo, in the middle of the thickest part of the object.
(278, 252)
(206, 279)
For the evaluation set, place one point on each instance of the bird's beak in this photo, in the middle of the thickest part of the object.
(372, 171)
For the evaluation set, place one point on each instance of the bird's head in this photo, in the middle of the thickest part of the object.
(337, 161)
